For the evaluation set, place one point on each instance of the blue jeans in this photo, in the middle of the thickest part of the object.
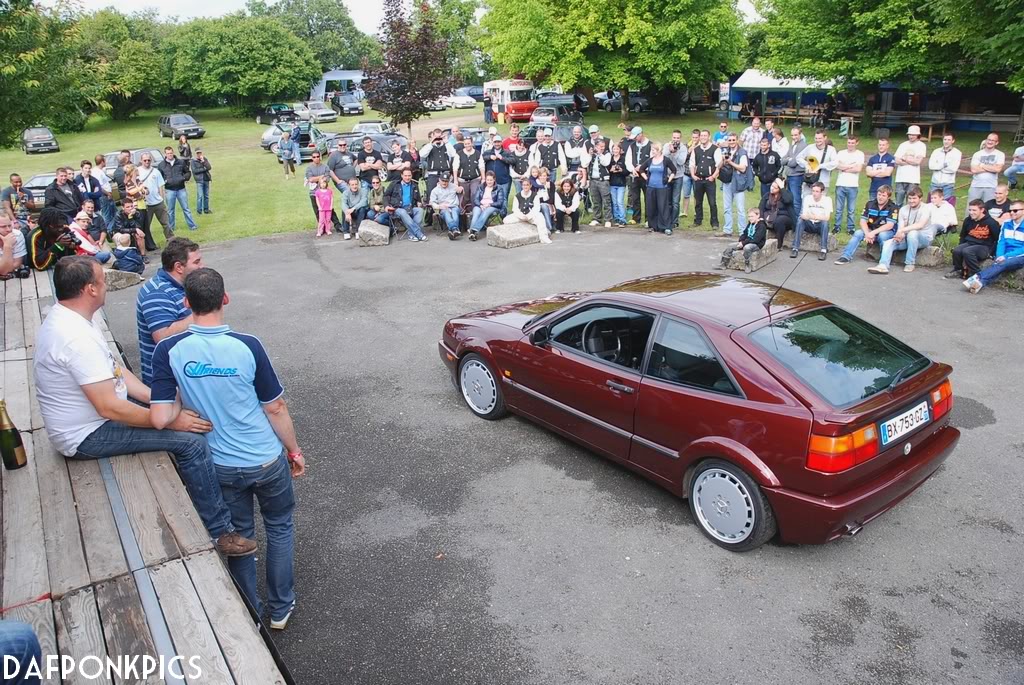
(912, 242)
(412, 222)
(858, 236)
(271, 485)
(733, 201)
(946, 188)
(619, 204)
(450, 217)
(176, 197)
(1012, 171)
(480, 218)
(820, 227)
(107, 209)
(677, 197)
(546, 211)
(992, 273)
(202, 197)
(846, 207)
(19, 641)
(357, 218)
(103, 256)
(794, 184)
(190, 451)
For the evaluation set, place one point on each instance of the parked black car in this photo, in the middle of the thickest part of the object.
(381, 141)
(38, 139)
(560, 132)
(637, 103)
(555, 99)
(175, 125)
(475, 92)
(347, 103)
(278, 111)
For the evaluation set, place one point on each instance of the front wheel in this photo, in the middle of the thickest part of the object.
(608, 107)
(638, 108)
(161, 132)
(259, 119)
(274, 147)
(480, 388)
(729, 507)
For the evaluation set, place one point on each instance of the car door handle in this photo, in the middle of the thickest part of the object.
(620, 387)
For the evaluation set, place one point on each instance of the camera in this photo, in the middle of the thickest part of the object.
(675, 147)
(22, 271)
(74, 238)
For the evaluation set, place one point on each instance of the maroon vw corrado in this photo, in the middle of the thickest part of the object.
(768, 409)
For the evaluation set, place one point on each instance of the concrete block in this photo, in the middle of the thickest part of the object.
(372, 234)
(763, 257)
(512, 235)
(810, 242)
(119, 280)
(933, 255)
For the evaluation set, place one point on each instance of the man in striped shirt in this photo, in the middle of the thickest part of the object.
(160, 310)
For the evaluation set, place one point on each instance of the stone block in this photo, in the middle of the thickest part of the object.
(372, 234)
(763, 257)
(119, 280)
(512, 235)
(810, 242)
(933, 255)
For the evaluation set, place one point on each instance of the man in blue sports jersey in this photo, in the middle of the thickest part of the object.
(227, 378)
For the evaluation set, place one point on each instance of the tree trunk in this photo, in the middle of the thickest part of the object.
(867, 123)
(624, 102)
(591, 100)
(408, 127)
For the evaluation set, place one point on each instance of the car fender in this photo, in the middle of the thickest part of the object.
(730, 450)
(477, 345)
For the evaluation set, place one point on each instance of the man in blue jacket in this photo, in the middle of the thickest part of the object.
(1009, 251)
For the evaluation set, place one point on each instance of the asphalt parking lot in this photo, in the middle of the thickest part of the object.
(434, 547)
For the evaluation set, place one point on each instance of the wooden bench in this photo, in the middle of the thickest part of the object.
(108, 557)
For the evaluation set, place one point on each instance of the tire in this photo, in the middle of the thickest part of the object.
(274, 147)
(608, 107)
(729, 508)
(638, 108)
(259, 119)
(723, 105)
(161, 132)
(481, 388)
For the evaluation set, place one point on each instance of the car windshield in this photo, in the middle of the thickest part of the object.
(317, 105)
(519, 96)
(350, 99)
(839, 356)
(38, 133)
(185, 119)
(41, 180)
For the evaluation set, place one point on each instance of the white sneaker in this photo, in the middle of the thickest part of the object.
(283, 623)
(607, 224)
(594, 222)
(348, 236)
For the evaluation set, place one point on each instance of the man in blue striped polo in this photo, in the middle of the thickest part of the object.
(160, 310)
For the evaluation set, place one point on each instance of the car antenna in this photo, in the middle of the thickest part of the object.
(768, 304)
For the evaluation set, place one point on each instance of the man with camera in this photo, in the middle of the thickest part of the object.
(51, 240)
(436, 157)
(732, 163)
(677, 152)
(12, 250)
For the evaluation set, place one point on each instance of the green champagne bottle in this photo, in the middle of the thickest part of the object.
(10, 441)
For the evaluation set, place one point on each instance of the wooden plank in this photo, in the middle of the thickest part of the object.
(39, 615)
(18, 353)
(154, 537)
(35, 412)
(63, 538)
(175, 503)
(14, 327)
(125, 630)
(30, 311)
(45, 304)
(103, 553)
(28, 288)
(43, 287)
(187, 622)
(25, 574)
(12, 290)
(79, 633)
(15, 392)
(239, 638)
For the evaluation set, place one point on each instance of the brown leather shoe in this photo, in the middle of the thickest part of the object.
(234, 545)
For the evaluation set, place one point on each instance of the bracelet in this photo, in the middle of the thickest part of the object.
(292, 456)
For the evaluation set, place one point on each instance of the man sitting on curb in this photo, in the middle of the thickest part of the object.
(943, 213)
(817, 208)
(403, 203)
(752, 239)
(914, 230)
(978, 238)
(83, 396)
(253, 442)
(1009, 251)
(877, 223)
(445, 201)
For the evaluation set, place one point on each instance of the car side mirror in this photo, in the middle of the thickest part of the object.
(541, 336)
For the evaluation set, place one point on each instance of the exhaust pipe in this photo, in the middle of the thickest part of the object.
(852, 529)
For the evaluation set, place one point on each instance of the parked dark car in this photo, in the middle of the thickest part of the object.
(769, 410)
(347, 103)
(552, 99)
(272, 135)
(268, 114)
(175, 125)
(475, 92)
(559, 132)
(559, 114)
(637, 103)
(38, 139)
(381, 141)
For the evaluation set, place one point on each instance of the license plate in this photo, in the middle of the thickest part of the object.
(898, 426)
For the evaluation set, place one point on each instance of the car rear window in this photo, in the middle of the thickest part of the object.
(841, 357)
(543, 111)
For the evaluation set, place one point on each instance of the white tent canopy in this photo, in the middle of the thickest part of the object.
(320, 89)
(754, 79)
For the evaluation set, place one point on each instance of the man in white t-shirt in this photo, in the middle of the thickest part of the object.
(914, 231)
(12, 247)
(84, 393)
(910, 156)
(986, 164)
(944, 163)
(814, 216)
(849, 163)
(943, 214)
(1016, 167)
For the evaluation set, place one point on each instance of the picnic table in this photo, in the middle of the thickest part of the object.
(108, 557)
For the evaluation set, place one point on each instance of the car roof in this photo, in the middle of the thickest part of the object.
(730, 301)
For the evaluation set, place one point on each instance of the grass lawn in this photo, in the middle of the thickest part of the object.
(250, 197)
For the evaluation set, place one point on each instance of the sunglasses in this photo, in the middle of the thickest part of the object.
(1019, 209)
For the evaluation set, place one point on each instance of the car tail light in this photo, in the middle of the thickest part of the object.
(554, 120)
(942, 399)
(832, 454)
(311, 145)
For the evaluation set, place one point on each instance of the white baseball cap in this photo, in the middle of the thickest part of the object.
(594, 128)
(492, 131)
(548, 132)
(635, 132)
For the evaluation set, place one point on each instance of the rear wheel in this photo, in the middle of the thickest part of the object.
(729, 507)
(161, 132)
(480, 388)
(259, 118)
(274, 147)
(608, 107)
(638, 107)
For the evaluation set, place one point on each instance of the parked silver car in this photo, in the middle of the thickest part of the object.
(315, 111)
(272, 135)
(111, 158)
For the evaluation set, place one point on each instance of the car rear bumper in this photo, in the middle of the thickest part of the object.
(806, 519)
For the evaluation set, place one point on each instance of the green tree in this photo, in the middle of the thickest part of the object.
(241, 59)
(990, 33)
(326, 27)
(622, 44)
(456, 23)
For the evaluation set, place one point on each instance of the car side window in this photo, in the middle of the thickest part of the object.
(681, 355)
(612, 334)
